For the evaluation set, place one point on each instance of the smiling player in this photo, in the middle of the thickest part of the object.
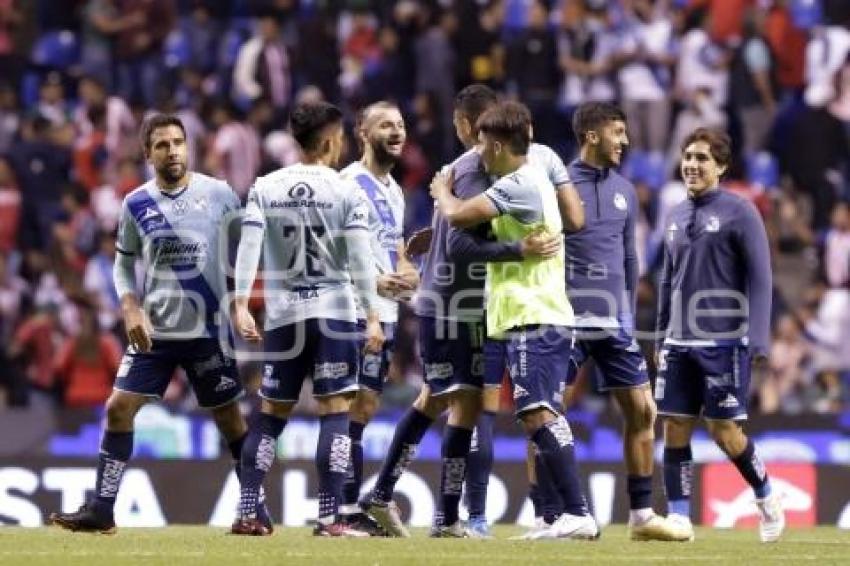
(714, 313)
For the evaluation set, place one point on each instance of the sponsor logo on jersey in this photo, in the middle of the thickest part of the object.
(330, 370)
(729, 402)
(225, 383)
(438, 371)
(520, 392)
(301, 203)
(201, 203)
(301, 191)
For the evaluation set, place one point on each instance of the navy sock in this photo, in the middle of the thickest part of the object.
(408, 433)
(752, 470)
(235, 448)
(640, 491)
(115, 451)
(479, 464)
(258, 453)
(534, 495)
(678, 476)
(455, 449)
(354, 478)
(333, 458)
(554, 441)
(551, 505)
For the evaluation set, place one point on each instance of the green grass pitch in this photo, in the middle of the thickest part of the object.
(185, 546)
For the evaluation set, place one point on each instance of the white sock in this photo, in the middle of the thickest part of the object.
(640, 516)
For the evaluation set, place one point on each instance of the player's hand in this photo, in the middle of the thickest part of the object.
(245, 324)
(137, 329)
(442, 182)
(391, 285)
(759, 363)
(540, 245)
(374, 334)
(419, 243)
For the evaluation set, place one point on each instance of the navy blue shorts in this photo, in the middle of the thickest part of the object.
(538, 357)
(374, 367)
(452, 354)
(323, 349)
(212, 374)
(712, 381)
(495, 361)
(619, 361)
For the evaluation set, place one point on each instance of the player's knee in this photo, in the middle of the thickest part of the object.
(534, 419)
(120, 412)
(727, 435)
(645, 417)
(229, 420)
(365, 406)
(677, 430)
(428, 404)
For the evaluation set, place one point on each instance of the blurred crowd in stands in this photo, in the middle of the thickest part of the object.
(78, 76)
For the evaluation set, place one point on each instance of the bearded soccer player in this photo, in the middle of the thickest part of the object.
(382, 134)
(450, 297)
(173, 224)
(311, 228)
(527, 302)
(714, 312)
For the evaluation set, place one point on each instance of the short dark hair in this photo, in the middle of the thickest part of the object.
(159, 121)
(509, 122)
(719, 143)
(307, 121)
(591, 116)
(473, 100)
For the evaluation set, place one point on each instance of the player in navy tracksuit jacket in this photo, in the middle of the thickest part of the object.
(714, 317)
(601, 277)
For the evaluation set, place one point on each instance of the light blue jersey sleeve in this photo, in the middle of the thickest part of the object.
(545, 158)
(129, 242)
(358, 245)
(516, 195)
(250, 244)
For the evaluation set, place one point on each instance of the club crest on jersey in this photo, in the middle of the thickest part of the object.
(713, 224)
(201, 203)
(180, 207)
(620, 202)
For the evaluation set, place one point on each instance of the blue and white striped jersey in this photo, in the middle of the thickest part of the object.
(182, 239)
(386, 225)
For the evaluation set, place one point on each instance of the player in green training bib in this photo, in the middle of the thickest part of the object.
(527, 302)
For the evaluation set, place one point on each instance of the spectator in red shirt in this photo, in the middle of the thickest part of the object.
(33, 345)
(86, 364)
(10, 207)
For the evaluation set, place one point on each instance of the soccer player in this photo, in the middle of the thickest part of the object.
(471, 245)
(602, 276)
(381, 133)
(173, 224)
(449, 306)
(311, 228)
(714, 313)
(527, 302)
